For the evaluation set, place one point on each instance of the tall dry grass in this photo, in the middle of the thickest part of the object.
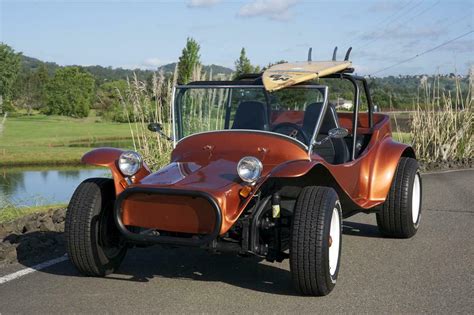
(143, 104)
(442, 123)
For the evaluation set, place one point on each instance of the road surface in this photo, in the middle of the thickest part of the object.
(432, 272)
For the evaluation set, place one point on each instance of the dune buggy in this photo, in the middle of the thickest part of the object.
(271, 174)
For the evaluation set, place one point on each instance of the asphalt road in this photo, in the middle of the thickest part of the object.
(432, 272)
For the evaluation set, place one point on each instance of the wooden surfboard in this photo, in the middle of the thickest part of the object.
(288, 74)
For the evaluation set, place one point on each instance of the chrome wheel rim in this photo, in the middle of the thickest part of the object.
(416, 199)
(334, 241)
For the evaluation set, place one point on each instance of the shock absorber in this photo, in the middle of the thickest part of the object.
(276, 214)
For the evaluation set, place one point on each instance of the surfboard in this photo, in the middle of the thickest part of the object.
(287, 74)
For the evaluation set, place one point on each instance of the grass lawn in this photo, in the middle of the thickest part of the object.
(48, 140)
(57, 140)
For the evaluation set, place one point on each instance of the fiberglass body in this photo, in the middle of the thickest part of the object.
(199, 191)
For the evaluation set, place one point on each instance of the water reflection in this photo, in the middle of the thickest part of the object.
(30, 187)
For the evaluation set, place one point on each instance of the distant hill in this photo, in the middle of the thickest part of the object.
(216, 69)
(109, 74)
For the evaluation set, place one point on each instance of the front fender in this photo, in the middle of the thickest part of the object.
(108, 157)
(293, 168)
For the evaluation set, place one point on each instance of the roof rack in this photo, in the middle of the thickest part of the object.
(248, 76)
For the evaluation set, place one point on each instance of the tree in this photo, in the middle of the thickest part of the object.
(188, 61)
(109, 102)
(29, 88)
(243, 65)
(274, 63)
(70, 93)
(9, 68)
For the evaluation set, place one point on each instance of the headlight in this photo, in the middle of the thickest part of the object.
(249, 169)
(130, 162)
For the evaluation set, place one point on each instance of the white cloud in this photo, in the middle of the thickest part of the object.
(152, 62)
(202, 3)
(273, 9)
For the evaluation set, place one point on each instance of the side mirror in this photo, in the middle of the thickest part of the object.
(338, 133)
(156, 127)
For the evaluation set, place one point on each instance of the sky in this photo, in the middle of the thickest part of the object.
(147, 34)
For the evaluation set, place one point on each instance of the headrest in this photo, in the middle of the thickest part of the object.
(311, 116)
(250, 115)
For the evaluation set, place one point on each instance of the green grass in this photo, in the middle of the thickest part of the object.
(47, 140)
(11, 213)
(403, 137)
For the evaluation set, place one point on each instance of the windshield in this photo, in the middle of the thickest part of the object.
(292, 112)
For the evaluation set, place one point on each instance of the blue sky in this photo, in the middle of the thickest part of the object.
(146, 34)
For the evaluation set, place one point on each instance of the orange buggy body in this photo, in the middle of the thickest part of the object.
(274, 177)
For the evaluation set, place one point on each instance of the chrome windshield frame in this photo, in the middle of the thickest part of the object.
(318, 123)
(312, 142)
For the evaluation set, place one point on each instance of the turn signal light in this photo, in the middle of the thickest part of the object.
(245, 191)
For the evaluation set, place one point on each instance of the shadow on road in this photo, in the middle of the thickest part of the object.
(360, 229)
(33, 247)
(145, 264)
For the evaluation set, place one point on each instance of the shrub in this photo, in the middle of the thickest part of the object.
(443, 129)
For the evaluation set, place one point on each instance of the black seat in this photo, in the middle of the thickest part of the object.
(334, 151)
(250, 115)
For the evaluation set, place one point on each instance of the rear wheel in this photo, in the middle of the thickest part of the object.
(94, 244)
(399, 216)
(316, 241)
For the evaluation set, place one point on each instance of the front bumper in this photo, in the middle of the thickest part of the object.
(197, 239)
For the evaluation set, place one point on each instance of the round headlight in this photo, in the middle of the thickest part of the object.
(249, 169)
(129, 163)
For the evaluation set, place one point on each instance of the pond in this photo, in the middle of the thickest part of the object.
(42, 186)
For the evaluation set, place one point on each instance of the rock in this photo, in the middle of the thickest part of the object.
(4, 230)
(33, 237)
(7, 252)
(31, 226)
(47, 225)
(11, 239)
(59, 227)
(59, 216)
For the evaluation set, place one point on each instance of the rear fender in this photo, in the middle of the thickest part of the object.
(384, 166)
(375, 173)
(108, 157)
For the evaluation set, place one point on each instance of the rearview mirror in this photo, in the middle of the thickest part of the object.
(338, 133)
(335, 133)
(155, 127)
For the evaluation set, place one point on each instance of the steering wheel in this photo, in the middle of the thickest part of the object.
(291, 130)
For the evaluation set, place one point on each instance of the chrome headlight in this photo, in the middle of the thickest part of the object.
(130, 162)
(249, 169)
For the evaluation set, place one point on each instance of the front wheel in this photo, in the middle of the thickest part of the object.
(94, 244)
(316, 241)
